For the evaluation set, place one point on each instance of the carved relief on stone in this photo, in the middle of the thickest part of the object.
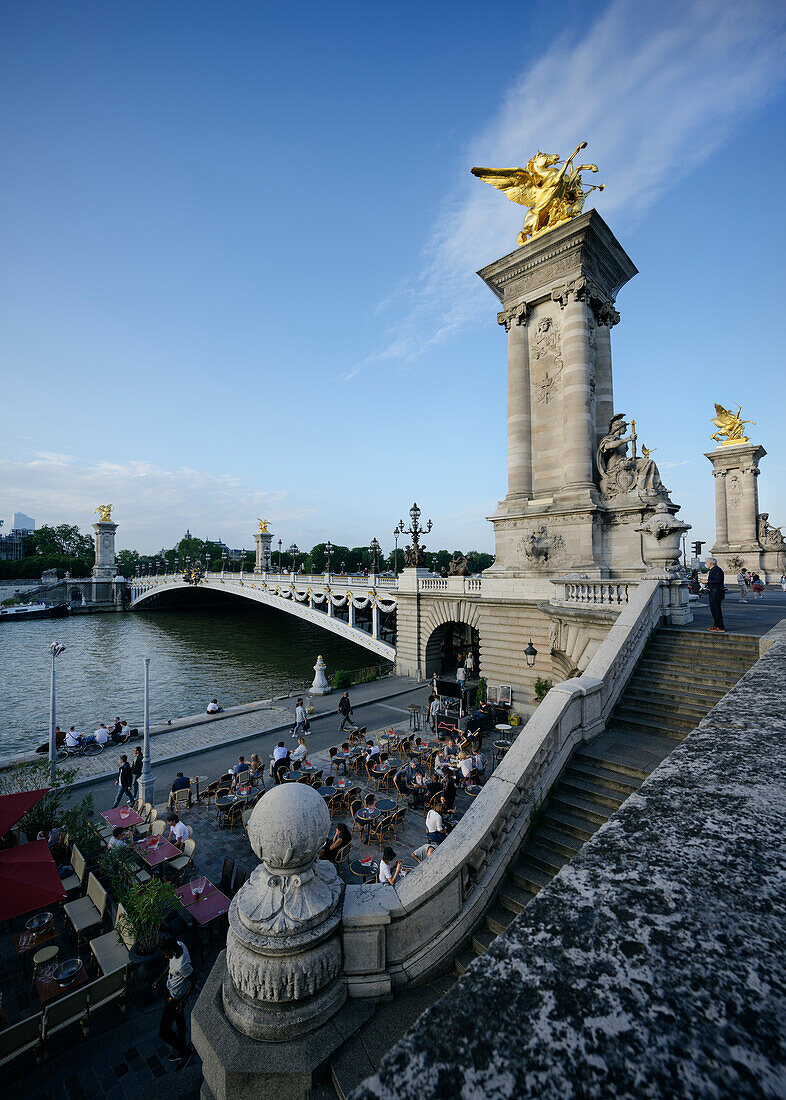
(539, 547)
(554, 635)
(733, 488)
(621, 472)
(547, 351)
(767, 534)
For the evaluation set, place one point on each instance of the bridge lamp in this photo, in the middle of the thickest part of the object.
(343, 567)
(55, 649)
(530, 653)
(397, 530)
(374, 548)
(328, 552)
(294, 550)
(242, 561)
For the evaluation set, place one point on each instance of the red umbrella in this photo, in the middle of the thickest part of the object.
(28, 879)
(13, 807)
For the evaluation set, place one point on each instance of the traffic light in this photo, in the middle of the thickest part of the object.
(696, 548)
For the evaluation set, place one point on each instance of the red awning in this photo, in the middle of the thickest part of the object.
(28, 879)
(13, 807)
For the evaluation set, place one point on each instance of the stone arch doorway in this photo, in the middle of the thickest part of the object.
(446, 643)
(76, 596)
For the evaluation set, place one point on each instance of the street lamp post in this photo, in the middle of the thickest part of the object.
(223, 563)
(55, 649)
(279, 556)
(397, 530)
(147, 780)
(416, 530)
(328, 552)
(374, 548)
(242, 562)
(294, 550)
(343, 567)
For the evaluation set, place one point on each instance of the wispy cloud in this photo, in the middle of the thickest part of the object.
(152, 504)
(655, 91)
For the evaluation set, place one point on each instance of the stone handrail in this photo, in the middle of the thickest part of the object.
(455, 586)
(604, 595)
(397, 935)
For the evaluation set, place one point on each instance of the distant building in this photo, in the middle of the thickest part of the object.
(22, 524)
(11, 547)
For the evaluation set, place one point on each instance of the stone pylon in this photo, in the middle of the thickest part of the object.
(263, 560)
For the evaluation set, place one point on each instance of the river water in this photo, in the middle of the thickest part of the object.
(236, 653)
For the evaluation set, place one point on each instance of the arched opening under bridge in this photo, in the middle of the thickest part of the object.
(448, 643)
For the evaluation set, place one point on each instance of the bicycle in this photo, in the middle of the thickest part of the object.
(90, 748)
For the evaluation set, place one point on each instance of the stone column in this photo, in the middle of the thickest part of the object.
(351, 608)
(721, 513)
(374, 621)
(105, 567)
(263, 541)
(519, 403)
(605, 318)
(578, 436)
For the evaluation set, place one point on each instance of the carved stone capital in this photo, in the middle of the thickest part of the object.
(575, 290)
(605, 314)
(515, 315)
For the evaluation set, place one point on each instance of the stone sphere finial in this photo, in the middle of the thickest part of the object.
(289, 826)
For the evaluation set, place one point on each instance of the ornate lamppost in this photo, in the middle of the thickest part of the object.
(294, 550)
(223, 563)
(397, 530)
(55, 649)
(328, 552)
(279, 556)
(374, 548)
(242, 562)
(344, 567)
(416, 530)
(146, 779)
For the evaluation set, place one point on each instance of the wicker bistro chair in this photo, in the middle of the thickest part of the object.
(316, 778)
(246, 817)
(398, 820)
(382, 826)
(158, 828)
(182, 800)
(234, 816)
(20, 1038)
(87, 913)
(150, 816)
(228, 869)
(354, 809)
(342, 859)
(181, 864)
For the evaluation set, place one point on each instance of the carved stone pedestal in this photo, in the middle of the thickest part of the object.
(743, 535)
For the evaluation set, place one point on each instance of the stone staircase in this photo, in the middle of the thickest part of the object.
(680, 677)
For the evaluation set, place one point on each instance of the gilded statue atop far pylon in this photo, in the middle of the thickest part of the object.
(730, 426)
(104, 513)
(551, 190)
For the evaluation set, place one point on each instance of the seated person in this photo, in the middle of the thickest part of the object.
(369, 801)
(213, 707)
(117, 840)
(449, 791)
(101, 736)
(440, 760)
(467, 767)
(345, 746)
(480, 762)
(403, 779)
(179, 783)
(242, 768)
(73, 739)
(435, 826)
(389, 867)
(451, 749)
(372, 751)
(332, 847)
(257, 772)
(280, 761)
(116, 732)
(301, 752)
(423, 852)
(178, 832)
(328, 781)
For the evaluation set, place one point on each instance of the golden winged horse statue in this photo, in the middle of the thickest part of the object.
(730, 426)
(552, 191)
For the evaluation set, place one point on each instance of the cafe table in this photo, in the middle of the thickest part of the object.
(364, 869)
(210, 903)
(385, 805)
(365, 817)
(195, 781)
(341, 758)
(49, 990)
(122, 818)
(25, 942)
(155, 854)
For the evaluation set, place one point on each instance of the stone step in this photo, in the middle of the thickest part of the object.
(545, 859)
(627, 715)
(498, 918)
(663, 707)
(582, 828)
(747, 643)
(462, 961)
(482, 939)
(597, 773)
(610, 797)
(582, 806)
(695, 667)
(676, 680)
(585, 757)
(561, 843)
(528, 876)
(656, 728)
(646, 689)
(513, 897)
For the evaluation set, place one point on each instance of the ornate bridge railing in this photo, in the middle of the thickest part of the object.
(605, 595)
(458, 586)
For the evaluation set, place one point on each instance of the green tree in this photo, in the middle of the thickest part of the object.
(128, 562)
(63, 541)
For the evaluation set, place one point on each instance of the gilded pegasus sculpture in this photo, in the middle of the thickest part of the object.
(730, 426)
(104, 513)
(552, 191)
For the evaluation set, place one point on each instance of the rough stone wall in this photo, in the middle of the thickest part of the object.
(653, 964)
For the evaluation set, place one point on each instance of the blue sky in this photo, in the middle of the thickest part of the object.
(239, 245)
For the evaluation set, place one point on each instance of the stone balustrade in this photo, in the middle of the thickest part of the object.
(397, 935)
(585, 593)
(453, 586)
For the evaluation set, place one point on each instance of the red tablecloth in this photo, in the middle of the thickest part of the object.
(208, 907)
(154, 856)
(116, 819)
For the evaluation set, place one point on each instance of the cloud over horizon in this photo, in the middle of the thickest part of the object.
(654, 94)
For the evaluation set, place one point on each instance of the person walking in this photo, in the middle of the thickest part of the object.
(742, 584)
(345, 710)
(783, 581)
(716, 589)
(757, 584)
(124, 782)
(136, 769)
(300, 719)
(180, 980)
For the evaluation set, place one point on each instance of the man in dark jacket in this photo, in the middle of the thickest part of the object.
(716, 588)
(124, 782)
(345, 710)
(136, 768)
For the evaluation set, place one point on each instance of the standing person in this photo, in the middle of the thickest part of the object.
(433, 712)
(461, 677)
(757, 584)
(783, 586)
(345, 710)
(180, 981)
(136, 768)
(715, 588)
(742, 584)
(469, 664)
(124, 781)
(300, 719)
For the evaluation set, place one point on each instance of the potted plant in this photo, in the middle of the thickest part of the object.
(146, 908)
(542, 688)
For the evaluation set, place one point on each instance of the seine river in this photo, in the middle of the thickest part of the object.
(234, 653)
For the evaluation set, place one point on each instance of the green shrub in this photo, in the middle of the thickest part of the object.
(542, 688)
(341, 679)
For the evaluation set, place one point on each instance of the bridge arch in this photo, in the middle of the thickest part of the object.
(450, 627)
(294, 599)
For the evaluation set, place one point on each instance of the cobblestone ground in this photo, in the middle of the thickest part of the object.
(123, 1056)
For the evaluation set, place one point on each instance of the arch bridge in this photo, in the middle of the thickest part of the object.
(359, 608)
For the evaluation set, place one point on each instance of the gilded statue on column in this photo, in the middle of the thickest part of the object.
(730, 426)
(552, 191)
(263, 526)
(104, 513)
